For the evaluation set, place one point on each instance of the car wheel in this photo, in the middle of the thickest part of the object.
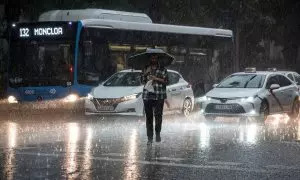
(263, 111)
(295, 110)
(187, 107)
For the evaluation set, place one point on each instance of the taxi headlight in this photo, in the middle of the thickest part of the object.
(204, 98)
(90, 97)
(12, 99)
(248, 99)
(252, 112)
(71, 98)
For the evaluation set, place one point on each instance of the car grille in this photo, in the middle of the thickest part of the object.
(234, 109)
(223, 100)
(106, 104)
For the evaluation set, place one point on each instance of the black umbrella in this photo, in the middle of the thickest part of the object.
(139, 61)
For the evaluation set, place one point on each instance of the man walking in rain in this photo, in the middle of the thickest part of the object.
(154, 95)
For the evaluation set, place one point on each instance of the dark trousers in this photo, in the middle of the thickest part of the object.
(157, 106)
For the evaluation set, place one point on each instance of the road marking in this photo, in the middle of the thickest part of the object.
(156, 158)
(282, 167)
(16, 148)
(169, 159)
(114, 154)
(216, 167)
(225, 163)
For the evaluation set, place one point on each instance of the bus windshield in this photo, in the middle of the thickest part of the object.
(40, 63)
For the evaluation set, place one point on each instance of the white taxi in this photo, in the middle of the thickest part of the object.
(252, 93)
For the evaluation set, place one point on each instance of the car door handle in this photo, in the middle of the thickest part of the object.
(173, 90)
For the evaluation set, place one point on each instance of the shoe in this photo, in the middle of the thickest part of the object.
(158, 138)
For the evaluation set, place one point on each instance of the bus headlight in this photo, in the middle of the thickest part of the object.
(71, 98)
(12, 99)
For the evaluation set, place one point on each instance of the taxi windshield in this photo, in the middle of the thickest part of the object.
(243, 81)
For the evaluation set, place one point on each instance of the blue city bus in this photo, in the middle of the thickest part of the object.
(43, 61)
(64, 60)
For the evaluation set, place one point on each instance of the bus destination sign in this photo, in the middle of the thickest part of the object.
(40, 31)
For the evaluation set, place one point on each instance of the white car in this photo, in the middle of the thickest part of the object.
(122, 94)
(254, 94)
(293, 76)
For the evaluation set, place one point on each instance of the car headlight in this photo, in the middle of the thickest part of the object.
(131, 97)
(71, 98)
(12, 99)
(248, 99)
(204, 98)
(90, 97)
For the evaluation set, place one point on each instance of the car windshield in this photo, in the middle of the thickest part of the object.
(243, 81)
(124, 79)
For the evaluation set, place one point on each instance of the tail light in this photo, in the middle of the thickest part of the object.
(71, 73)
(71, 69)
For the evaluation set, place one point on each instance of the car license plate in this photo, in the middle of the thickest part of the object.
(40, 106)
(105, 108)
(223, 107)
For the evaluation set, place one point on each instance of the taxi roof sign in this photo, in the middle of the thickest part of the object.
(272, 69)
(250, 70)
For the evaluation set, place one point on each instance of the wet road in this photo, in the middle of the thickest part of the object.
(63, 147)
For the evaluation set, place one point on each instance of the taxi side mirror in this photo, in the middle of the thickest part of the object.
(274, 86)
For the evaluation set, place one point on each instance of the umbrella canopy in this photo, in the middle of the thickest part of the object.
(139, 61)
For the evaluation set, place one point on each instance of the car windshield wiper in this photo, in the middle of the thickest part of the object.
(231, 85)
(246, 84)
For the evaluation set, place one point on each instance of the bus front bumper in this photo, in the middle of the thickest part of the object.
(52, 105)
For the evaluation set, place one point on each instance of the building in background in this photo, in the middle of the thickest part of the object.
(3, 49)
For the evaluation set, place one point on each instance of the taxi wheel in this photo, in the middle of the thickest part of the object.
(264, 111)
(187, 107)
(295, 110)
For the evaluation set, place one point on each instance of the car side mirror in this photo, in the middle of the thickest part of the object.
(215, 85)
(274, 86)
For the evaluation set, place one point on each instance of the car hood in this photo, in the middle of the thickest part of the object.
(232, 92)
(115, 92)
